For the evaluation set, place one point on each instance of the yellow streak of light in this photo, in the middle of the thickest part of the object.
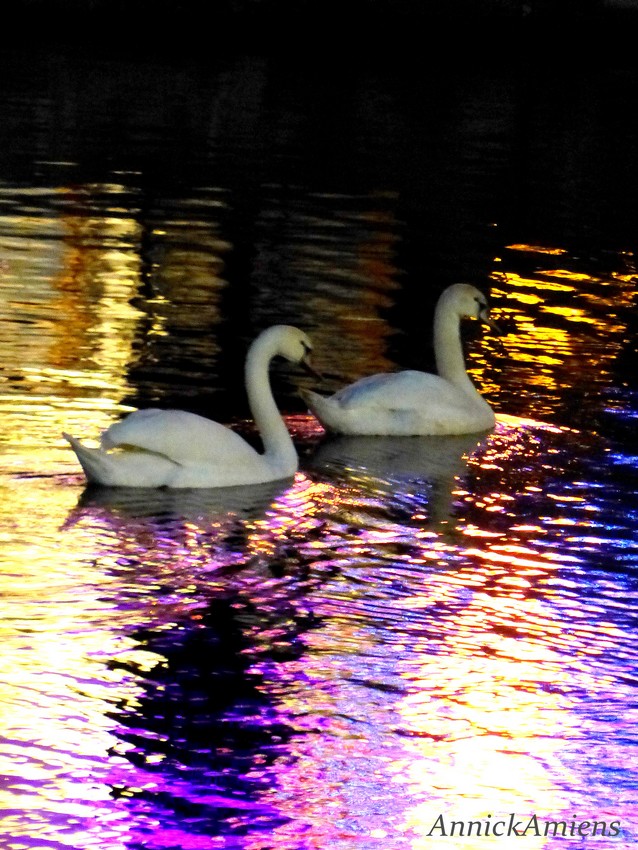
(495, 557)
(517, 282)
(556, 346)
(536, 249)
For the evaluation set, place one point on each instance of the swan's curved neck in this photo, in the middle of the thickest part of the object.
(278, 445)
(448, 348)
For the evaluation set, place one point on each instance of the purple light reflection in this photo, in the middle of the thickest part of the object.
(333, 667)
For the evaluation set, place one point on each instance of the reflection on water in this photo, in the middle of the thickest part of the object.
(411, 632)
(324, 662)
(419, 469)
(195, 506)
(568, 329)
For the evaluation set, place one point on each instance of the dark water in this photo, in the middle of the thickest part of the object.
(413, 631)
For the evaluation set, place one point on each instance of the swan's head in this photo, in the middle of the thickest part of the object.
(291, 343)
(295, 345)
(471, 302)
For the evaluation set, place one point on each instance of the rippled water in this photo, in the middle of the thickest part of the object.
(413, 632)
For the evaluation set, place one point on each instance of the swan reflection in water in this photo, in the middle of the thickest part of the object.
(223, 516)
(422, 470)
(197, 504)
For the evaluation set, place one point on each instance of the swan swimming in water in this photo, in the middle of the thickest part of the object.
(174, 448)
(412, 403)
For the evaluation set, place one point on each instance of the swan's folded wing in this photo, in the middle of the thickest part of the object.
(181, 436)
(394, 391)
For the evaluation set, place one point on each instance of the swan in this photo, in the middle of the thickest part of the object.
(178, 449)
(412, 403)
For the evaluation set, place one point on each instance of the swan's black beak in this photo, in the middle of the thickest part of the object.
(306, 362)
(484, 316)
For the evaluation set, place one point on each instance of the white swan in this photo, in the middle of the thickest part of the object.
(174, 448)
(412, 403)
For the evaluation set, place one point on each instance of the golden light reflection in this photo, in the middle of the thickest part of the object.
(488, 647)
(521, 286)
(350, 287)
(566, 331)
(72, 332)
(536, 249)
(70, 298)
(56, 624)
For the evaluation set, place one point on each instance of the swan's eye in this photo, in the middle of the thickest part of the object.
(306, 348)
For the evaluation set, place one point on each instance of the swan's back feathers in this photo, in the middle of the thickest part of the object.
(399, 422)
(400, 404)
(395, 390)
(179, 435)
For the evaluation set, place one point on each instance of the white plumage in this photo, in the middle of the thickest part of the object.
(175, 448)
(412, 403)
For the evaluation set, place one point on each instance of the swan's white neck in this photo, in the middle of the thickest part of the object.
(448, 349)
(278, 446)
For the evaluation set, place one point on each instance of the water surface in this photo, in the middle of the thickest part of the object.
(412, 631)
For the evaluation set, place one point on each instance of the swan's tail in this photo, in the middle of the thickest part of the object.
(321, 406)
(97, 464)
(133, 468)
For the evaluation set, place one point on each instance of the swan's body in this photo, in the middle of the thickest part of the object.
(412, 403)
(174, 448)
